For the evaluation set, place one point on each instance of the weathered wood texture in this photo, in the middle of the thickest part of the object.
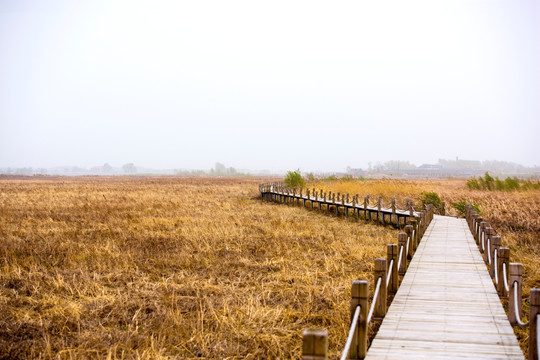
(446, 306)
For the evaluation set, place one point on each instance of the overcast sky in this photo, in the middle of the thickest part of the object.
(268, 85)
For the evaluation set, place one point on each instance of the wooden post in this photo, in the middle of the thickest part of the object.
(392, 253)
(443, 210)
(315, 344)
(487, 245)
(473, 227)
(379, 210)
(422, 223)
(409, 231)
(534, 312)
(495, 245)
(393, 217)
(481, 236)
(479, 229)
(504, 258)
(359, 296)
(366, 203)
(329, 201)
(516, 275)
(380, 302)
(402, 243)
(416, 240)
(472, 218)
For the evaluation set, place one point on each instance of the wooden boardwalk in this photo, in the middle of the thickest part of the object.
(446, 306)
(345, 202)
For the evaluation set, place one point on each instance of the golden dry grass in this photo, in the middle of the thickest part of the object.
(126, 268)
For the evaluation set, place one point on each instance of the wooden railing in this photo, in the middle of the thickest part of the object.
(507, 278)
(281, 193)
(386, 278)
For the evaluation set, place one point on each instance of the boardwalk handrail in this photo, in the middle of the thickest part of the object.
(389, 275)
(375, 299)
(279, 192)
(507, 278)
(354, 324)
(518, 316)
(386, 277)
(506, 287)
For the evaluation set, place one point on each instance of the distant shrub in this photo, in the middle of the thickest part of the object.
(310, 177)
(294, 179)
(432, 198)
(530, 185)
(473, 184)
(509, 184)
(461, 206)
(330, 178)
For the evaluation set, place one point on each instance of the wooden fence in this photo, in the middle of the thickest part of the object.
(386, 279)
(507, 278)
(334, 202)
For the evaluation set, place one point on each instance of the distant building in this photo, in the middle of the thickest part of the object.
(430, 167)
(97, 169)
(356, 172)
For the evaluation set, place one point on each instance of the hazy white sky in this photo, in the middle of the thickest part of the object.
(275, 85)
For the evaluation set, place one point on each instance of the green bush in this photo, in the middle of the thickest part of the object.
(330, 178)
(294, 179)
(433, 199)
(473, 184)
(310, 177)
(461, 206)
(509, 184)
(530, 185)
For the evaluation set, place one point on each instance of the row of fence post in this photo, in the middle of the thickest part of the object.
(507, 276)
(387, 271)
(280, 193)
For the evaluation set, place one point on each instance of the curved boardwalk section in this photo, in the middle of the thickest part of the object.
(446, 306)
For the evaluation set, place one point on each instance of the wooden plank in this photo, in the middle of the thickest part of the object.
(446, 306)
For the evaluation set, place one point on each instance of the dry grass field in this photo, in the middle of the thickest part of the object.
(129, 268)
(126, 268)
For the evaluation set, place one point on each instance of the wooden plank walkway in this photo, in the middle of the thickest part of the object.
(393, 215)
(446, 306)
